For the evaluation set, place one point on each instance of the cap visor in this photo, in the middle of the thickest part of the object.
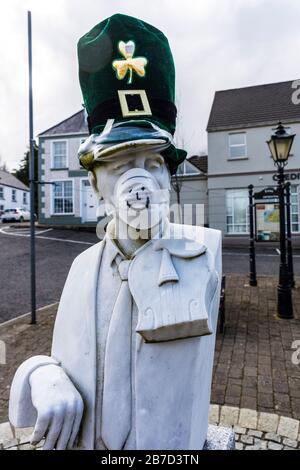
(105, 154)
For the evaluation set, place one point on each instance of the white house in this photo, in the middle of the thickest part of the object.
(240, 123)
(13, 193)
(66, 198)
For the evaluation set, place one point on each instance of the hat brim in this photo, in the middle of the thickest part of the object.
(130, 137)
(133, 146)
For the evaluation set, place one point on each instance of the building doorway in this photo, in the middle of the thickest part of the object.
(89, 202)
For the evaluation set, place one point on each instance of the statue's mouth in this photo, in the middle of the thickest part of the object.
(138, 205)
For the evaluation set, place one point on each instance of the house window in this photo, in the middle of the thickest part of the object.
(63, 197)
(13, 195)
(187, 168)
(59, 149)
(25, 198)
(237, 212)
(294, 209)
(237, 145)
(1, 192)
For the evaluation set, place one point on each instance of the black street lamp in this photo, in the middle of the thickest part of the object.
(280, 145)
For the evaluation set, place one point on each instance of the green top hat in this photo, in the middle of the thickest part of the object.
(127, 74)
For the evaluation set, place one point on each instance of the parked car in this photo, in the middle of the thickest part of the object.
(15, 215)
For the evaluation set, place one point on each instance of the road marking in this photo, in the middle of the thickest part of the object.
(3, 231)
(261, 255)
(66, 240)
(44, 231)
(24, 315)
(22, 231)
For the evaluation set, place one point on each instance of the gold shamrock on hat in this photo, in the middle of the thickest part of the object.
(130, 63)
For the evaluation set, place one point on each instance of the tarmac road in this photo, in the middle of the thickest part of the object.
(236, 260)
(55, 252)
(54, 256)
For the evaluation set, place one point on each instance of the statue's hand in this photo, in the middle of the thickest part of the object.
(59, 408)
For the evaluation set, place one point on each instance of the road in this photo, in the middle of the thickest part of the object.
(55, 251)
(236, 260)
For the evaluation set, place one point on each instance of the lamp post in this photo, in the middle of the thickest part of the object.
(252, 277)
(280, 145)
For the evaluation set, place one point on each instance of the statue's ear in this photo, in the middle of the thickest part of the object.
(93, 183)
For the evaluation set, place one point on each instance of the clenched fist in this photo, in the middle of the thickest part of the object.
(59, 408)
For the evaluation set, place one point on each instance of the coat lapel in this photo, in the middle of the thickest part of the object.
(171, 304)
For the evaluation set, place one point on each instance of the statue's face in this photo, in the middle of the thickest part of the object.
(135, 188)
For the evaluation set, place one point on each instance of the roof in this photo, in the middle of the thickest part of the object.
(200, 162)
(7, 179)
(253, 106)
(75, 124)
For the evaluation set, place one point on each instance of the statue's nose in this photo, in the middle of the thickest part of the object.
(139, 193)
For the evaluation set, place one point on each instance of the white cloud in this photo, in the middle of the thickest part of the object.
(216, 45)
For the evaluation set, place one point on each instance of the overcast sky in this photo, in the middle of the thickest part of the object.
(216, 45)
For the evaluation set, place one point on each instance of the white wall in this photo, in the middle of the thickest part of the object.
(51, 174)
(193, 192)
(257, 169)
(7, 202)
(258, 154)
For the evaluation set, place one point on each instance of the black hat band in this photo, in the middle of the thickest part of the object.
(111, 109)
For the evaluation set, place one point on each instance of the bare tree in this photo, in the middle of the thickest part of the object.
(3, 166)
(180, 141)
(176, 182)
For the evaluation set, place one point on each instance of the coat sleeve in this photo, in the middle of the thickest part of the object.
(22, 413)
(21, 410)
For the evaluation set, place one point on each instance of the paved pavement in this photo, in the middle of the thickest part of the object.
(253, 431)
(57, 248)
(253, 358)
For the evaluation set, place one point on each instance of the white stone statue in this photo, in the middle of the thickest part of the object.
(134, 337)
(133, 343)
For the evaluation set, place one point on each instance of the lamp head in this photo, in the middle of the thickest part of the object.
(280, 145)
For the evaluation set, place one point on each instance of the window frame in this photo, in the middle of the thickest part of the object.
(13, 195)
(53, 142)
(2, 198)
(184, 165)
(296, 187)
(240, 157)
(64, 180)
(233, 224)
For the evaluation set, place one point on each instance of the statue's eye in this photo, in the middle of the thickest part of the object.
(121, 168)
(153, 163)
